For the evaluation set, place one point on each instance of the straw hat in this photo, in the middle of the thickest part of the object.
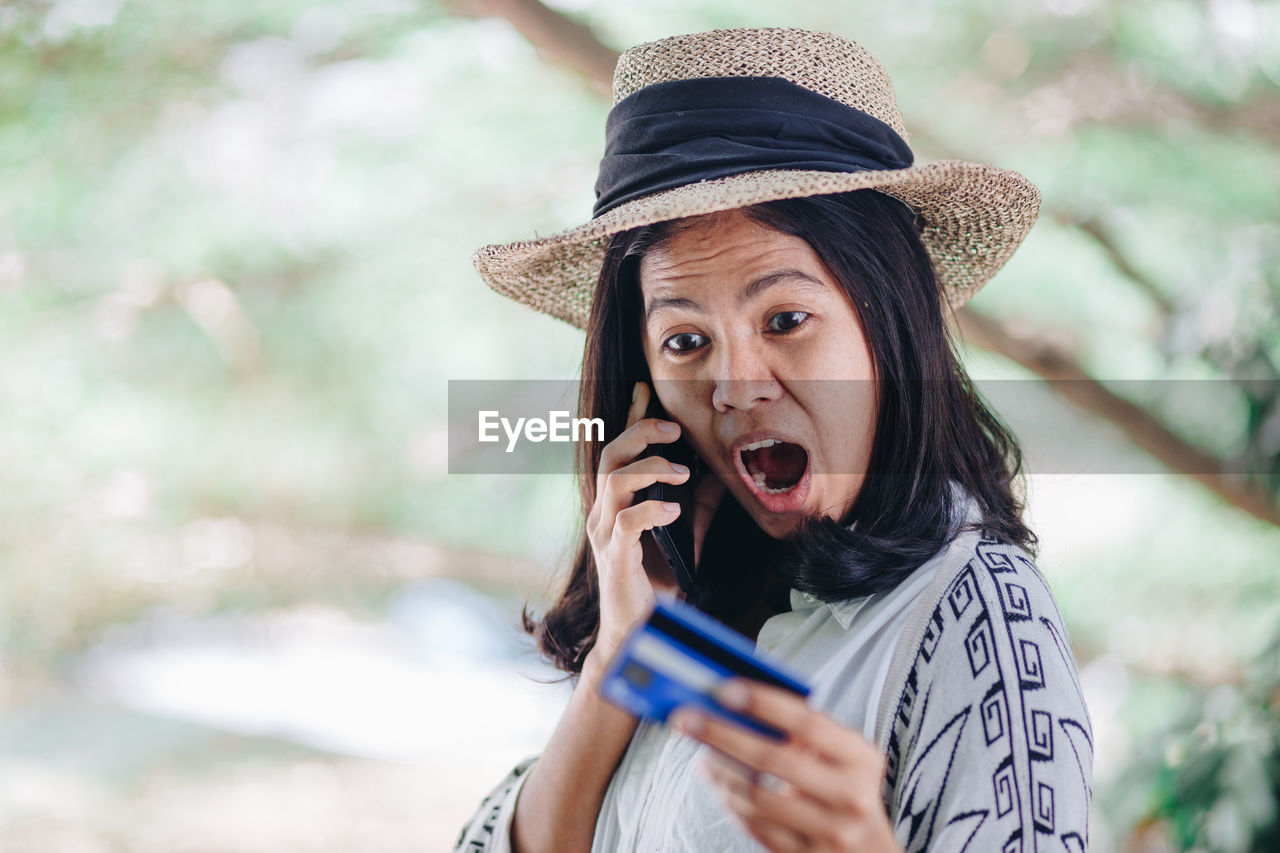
(803, 114)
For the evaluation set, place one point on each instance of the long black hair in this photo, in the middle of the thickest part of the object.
(932, 427)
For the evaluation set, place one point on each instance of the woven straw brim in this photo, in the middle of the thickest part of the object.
(975, 216)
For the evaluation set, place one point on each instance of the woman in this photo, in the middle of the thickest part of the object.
(765, 258)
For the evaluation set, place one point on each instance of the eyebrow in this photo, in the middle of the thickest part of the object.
(751, 291)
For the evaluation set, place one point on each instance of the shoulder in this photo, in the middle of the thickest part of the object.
(987, 586)
(490, 826)
(988, 618)
(985, 687)
(980, 585)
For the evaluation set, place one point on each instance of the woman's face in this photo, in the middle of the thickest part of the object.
(750, 340)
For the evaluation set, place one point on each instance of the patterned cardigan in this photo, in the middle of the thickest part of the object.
(983, 722)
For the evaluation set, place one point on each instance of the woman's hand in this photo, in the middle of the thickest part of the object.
(816, 790)
(614, 525)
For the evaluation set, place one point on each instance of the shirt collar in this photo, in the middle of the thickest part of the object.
(844, 611)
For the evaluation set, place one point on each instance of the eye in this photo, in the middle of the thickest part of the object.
(785, 321)
(684, 342)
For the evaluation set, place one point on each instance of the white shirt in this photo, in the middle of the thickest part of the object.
(659, 800)
(962, 675)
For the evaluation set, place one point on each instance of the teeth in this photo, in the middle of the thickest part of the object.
(760, 480)
(758, 476)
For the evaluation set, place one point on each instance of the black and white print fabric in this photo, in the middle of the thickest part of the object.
(991, 747)
(984, 726)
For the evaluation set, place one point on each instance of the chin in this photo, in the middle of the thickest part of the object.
(778, 527)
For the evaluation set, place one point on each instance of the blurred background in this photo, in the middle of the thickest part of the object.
(243, 605)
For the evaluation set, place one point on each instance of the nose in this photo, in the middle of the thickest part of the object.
(743, 376)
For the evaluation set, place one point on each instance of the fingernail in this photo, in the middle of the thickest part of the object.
(668, 426)
(732, 695)
(678, 468)
(688, 722)
(671, 506)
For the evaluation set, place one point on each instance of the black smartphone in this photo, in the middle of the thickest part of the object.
(675, 540)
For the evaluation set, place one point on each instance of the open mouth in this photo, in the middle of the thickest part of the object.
(775, 466)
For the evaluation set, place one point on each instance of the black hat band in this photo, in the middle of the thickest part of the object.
(685, 131)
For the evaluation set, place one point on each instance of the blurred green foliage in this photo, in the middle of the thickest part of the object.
(1211, 779)
(235, 280)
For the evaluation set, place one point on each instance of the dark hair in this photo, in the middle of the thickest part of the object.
(932, 427)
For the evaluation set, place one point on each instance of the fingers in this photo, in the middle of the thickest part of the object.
(788, 819)
(621, 474)
(802, 769)
(775, 837)
(638, 435)
(614, 525)
(766, 796)
(639, 403)
(787, 711)
(761, 807)
(818, 756)
(779, 839)
(789, 796)
(632, 442)
(622, 484)
(633, 521)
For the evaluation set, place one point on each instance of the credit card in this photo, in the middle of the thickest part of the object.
(679, 656)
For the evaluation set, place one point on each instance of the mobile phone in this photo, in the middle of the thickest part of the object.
(679, 656)
(675, 540)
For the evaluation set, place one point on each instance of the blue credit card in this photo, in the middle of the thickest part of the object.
(679, 656)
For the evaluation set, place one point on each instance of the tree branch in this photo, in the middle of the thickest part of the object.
(1091, 227)
(574, 44)
(1069, 380)
(1092, 87)
(1107, 242)
(554, 34)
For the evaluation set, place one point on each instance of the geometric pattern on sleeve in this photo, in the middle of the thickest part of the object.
(991, 746)
(488, 829)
